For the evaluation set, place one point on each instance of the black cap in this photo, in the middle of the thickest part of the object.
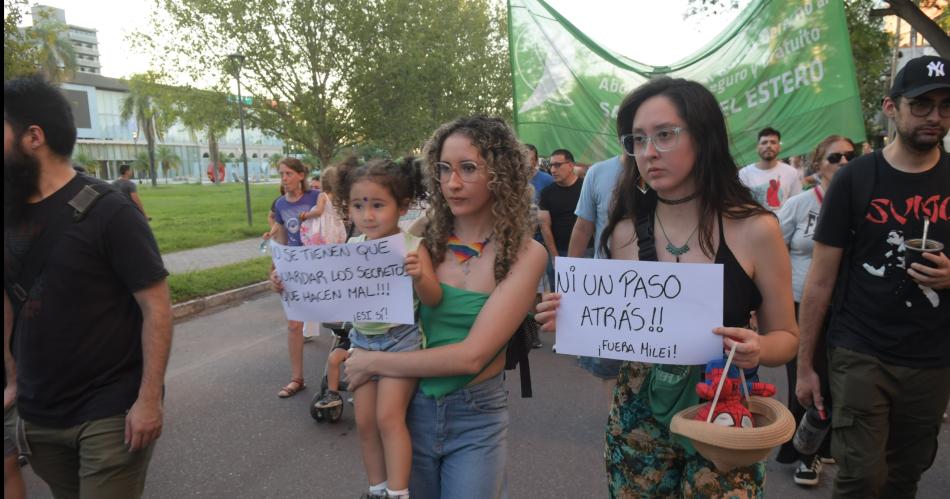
(921, 75)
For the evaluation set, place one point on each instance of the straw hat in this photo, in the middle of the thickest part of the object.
(730, 447)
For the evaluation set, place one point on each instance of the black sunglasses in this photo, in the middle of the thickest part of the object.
(835, 157)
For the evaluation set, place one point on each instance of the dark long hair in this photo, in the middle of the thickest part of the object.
(715, 170)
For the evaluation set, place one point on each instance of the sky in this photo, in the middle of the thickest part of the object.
(649, 31)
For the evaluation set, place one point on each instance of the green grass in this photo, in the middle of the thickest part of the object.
(200, 283)
(187, 216)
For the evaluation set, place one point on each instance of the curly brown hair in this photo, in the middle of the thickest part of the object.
(509, 173)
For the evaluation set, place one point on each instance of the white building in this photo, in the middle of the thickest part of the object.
(83, 40)
(97, 107)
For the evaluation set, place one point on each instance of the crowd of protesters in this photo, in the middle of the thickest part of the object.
(817, 278)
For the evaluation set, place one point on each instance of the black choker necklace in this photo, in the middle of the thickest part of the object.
(678, 201)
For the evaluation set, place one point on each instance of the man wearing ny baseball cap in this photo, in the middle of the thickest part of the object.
(888, 342)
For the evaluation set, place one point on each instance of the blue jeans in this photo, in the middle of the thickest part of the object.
(460, 443)
(401, 338)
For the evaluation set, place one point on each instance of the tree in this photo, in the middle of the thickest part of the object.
(873, 45)
(56, 56)
(313, 67)
(19, 55)
(911, 11)
(86, 161)
(151, 119)
(166, 157)
(142, 162)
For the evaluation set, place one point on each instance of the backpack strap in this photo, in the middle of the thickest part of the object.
(18, 288)
(862, 188)
(644, 227)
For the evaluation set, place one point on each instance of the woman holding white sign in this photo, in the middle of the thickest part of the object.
(488, 266)
(680, 178)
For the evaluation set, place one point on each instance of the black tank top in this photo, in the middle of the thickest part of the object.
(740, 294)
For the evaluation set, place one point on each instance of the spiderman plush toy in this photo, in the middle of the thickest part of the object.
(729, 411)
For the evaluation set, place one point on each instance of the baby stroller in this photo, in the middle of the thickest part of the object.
(340, 340)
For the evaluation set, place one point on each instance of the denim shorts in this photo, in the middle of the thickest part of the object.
(402, 338)
(9, 431)
(602, 368)
(460, 442)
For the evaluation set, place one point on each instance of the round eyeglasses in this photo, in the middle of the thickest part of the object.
(468, 171)
(665, 139)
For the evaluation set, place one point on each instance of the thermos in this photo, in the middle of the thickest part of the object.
(811, 431)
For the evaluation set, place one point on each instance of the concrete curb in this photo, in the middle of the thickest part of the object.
(198, 305)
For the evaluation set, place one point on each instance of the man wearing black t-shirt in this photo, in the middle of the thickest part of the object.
(557, 204)
(889, 334)
(91, 330)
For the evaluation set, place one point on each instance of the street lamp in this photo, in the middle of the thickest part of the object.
(237, 60)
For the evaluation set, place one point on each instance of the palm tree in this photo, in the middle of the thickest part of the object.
(141, 162)
(86, 161)
(168, 159)
(57, 57)
(152, 119)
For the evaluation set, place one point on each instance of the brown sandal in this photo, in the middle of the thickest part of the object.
(295, 385)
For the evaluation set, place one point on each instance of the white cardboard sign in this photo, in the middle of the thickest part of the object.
(652, 312)
(363, 281)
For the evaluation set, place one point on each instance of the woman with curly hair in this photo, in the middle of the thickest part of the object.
(488, 267)
(680, 179)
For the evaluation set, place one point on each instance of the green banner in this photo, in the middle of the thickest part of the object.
(782, 63)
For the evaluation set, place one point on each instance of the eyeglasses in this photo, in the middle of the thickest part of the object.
(665, 139)
(923, 107)
(835, 157)
(468, 171)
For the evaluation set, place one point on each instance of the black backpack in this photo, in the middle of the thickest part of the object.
(516, 354)
(18, 287)
(862, 188)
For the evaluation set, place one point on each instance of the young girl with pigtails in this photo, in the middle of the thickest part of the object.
(374, 196)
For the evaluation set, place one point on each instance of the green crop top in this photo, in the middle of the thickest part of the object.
(447, 324)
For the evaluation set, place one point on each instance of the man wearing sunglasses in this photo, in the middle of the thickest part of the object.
(888, 342)
(770, 180)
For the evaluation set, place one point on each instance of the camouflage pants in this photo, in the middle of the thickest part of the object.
(643, 460)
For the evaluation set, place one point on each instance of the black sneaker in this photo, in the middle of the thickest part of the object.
(329, 399)
(808, 472)
(374, 496)
(537, 344)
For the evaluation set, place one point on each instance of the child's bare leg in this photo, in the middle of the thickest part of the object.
(295, 348)
(392, 402)
(364, 400)
(337, 356)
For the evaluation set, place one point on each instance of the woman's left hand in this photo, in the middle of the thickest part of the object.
(356, 368)
(747, 345)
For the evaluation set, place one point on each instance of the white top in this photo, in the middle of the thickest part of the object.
(772, 187)
(798, 218)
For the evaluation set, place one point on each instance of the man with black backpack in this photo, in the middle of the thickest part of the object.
(90, 329)
(889, 333)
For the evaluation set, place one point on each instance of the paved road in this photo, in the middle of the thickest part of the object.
(227, 435)
(212, 256)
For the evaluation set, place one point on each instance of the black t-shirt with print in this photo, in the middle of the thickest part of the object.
(561, 202)
(78, 340)
(885, 313)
